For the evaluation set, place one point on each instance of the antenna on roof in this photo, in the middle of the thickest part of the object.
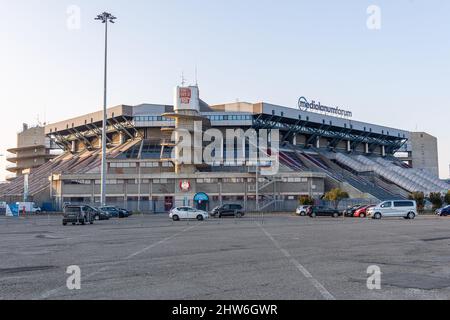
(196, 76)
(183, 79)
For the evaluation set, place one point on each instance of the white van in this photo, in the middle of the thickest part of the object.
(396, 208)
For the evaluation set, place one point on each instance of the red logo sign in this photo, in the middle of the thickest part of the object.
(185, 95)
(185, 185)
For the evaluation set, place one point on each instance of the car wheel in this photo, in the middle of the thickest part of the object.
(238, 215)
(200, 217)
(302, 214)
(176, 218)
(377, 216)
(411, 216)
(313, 215)
(64, 223)
(97, 217)
(73, 223)
(362, 215)
(335, 215)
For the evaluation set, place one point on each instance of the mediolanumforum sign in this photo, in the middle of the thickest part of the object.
(304, 105)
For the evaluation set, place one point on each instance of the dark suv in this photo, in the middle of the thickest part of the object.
(315, 211)
(228, 210)
(78, 214)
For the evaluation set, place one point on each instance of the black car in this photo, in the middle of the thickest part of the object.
(228, 210)
(78, 214)
(316, 211)
(100, 214)
(115, 212)
(128, 213)
(350, 211)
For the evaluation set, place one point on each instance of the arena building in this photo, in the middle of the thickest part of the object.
(317, 152)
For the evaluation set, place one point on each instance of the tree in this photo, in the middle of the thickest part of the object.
(447, 197)
(436, 200)
(306, 201)
(336, 196)
(419, 197)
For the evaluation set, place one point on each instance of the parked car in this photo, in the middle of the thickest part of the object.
(128, 213)
(78, 214)
(315, 211)
(115, 212)
(302, 210)
(362, 211)
(350, 211)
(228, 210)
(100, 214)
(443, 212)
(395, 208)
(182, 213)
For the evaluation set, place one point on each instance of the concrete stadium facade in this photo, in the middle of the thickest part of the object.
(317, 152)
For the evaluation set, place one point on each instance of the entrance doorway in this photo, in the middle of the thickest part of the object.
(201, 201)
(168, 203)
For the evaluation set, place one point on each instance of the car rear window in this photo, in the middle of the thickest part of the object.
(73, 209)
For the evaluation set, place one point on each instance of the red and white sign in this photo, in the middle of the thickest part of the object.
(185, 95)
(185, 185)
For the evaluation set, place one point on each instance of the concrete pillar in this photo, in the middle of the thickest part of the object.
(318, 143)
(294, 140)
(383, 151)
(366, 148)
(93, 192)
(349, 146)
(73, 148)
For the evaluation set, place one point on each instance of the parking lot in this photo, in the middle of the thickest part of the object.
(280, 257)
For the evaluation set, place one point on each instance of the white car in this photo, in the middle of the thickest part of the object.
(396, 208)
(180, 213)
(302, 210)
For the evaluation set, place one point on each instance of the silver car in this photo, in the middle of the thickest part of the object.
(302, 210)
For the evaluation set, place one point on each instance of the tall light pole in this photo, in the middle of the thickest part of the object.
(105, 17)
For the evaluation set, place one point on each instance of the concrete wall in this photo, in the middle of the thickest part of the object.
(424, 152)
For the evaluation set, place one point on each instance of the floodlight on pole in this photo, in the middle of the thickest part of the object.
(105, 17)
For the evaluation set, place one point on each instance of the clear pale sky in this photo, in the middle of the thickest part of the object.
(251, 50)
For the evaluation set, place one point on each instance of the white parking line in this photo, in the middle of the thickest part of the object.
(322, 290)
(50, 293)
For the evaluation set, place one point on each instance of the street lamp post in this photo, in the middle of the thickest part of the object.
(105, 17)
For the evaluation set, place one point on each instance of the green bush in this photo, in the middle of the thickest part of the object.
(419, 197)
(306, 201)
(335, 196)
(447, 197)
(436, 200)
